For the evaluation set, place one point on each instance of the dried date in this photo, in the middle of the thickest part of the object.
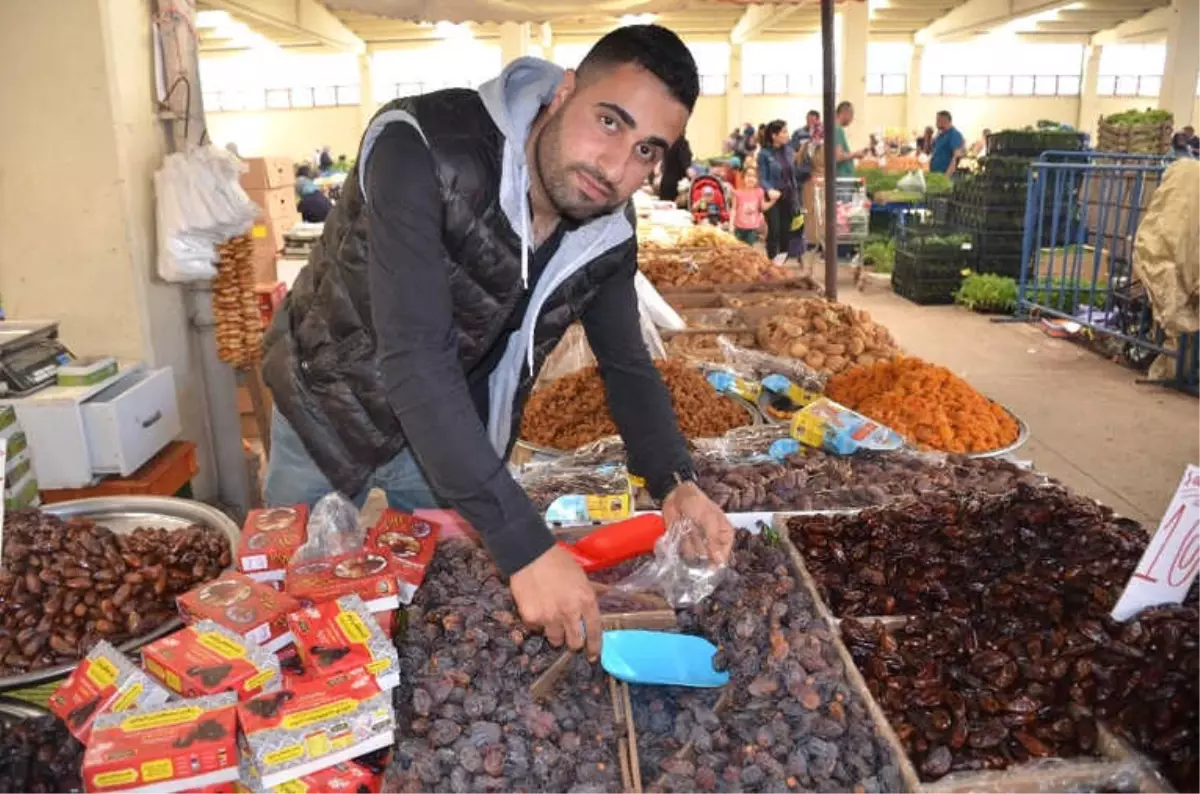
(67, 584)
(38, 754)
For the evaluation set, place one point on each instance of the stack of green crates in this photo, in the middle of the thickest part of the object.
(990, 206)
(930, 260)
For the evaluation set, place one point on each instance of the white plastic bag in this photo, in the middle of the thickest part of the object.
(914, 181)
(681, 569)
(199, 205)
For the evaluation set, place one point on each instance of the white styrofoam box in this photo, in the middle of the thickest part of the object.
(130, 421)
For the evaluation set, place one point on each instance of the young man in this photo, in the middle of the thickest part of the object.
(947, 146)
(474, 229)
(844, 157)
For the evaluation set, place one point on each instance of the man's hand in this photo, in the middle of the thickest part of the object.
(688, 501)
(554, 594)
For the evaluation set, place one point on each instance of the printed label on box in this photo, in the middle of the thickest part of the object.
(104, 682)
(206, 658)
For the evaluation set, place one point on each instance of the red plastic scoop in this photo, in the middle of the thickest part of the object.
(618, 542)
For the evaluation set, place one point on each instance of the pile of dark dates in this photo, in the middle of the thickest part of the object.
(467, 666)
(961, 702)
(961, 555)
(64, 585)
(38, 754)
(812, 479)
(788, 720)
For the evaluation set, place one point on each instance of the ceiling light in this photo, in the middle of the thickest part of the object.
(636, 19)
(212, 18)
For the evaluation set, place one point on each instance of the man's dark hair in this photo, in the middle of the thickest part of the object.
(844, 105)
(772, 130)
(812, 113)
(946, 113)
(652, 47)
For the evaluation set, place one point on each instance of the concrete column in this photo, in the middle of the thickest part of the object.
(733, 91)
(852, 83)
(366, 90)
(1089, 105)
(911, 110)
(515, 39)
(1178, 93)
(78, 243)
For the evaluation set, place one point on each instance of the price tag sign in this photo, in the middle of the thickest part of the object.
(1168, 567)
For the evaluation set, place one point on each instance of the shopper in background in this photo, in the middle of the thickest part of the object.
(947, 146)
(675, 165)
(811, 132)
(1193, 140)
(325, 161)
(979, 148)
(1184, 142)
(925, 142)
(749, 204)
(777, 175)
(843, 156)
(474, 229)
(314, 205)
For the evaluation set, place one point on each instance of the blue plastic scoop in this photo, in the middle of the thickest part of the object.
(655, 657)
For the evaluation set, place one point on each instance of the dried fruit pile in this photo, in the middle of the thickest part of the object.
(828, 337)
(813, 479)
(725, 266)
(787, 721)
(65, 585)
(238, 320)
(467, 666)
(927, 403)
(704, 347)
(572, 410)
(942, 554)
(38, 755)
(958, 702)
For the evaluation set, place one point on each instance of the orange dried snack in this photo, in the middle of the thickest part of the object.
(927, 403)
(572, 411)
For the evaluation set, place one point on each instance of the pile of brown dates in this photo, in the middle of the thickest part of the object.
(38, 754)
(812, 479)
(467, 668)
(961, 555)
(959, 702)
(65, 585)
(787, 721)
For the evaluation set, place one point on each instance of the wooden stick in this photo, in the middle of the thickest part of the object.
(546, 681)
(652, 620)
(635, 764)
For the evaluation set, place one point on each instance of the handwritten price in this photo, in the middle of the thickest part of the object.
(1187, 552)
(1171, 561)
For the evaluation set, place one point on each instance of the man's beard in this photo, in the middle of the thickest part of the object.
(554, 176)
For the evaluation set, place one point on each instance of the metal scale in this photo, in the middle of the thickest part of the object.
(30, 355)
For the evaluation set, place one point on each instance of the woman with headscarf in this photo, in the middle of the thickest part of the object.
(777, 176)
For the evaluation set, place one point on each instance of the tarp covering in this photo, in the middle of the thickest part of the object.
(527, 10)
(1167, 256)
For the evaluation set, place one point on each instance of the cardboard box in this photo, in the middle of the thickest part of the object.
(270, 294)
(206, 658)
(252, 610)
(340, 636)
(410, 541)
(312, 726)
(269, 539)
(348, 776)
(267, 172)
(104, 682)
(178, 746)
(368, 574)
(276, 203)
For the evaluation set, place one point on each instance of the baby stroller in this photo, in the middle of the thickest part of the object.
(708, 201)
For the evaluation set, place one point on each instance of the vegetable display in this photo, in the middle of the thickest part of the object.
(1147, 116)
(927, 403)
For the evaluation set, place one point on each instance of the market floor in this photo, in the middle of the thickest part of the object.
(1092, 426)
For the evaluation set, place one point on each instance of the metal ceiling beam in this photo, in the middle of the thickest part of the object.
(980, 16)
(757, 20)
(1149, 25)
(302, 17)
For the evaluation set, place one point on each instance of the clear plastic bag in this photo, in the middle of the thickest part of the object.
(334, 529)
(566, 492)
(743, 444)
(681, 569)
(756, 365)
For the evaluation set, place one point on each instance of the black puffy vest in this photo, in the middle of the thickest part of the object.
(320, 358)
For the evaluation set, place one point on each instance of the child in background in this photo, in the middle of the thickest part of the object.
(749, 204)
